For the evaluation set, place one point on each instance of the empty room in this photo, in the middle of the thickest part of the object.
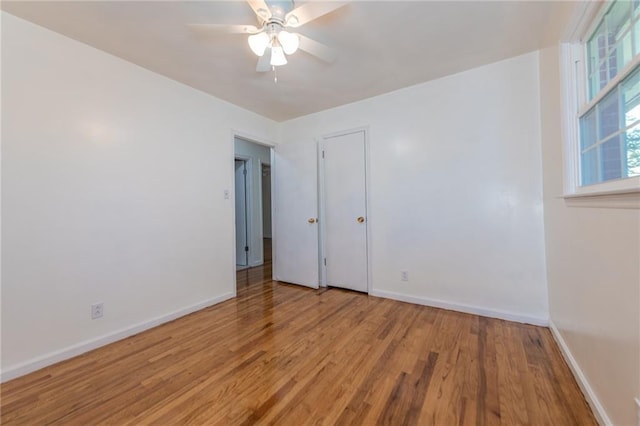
(320, 212)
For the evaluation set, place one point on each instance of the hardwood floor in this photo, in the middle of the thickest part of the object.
(282, 354)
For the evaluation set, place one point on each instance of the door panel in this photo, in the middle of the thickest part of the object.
(295, 199)
(241, 212)
(345, 211)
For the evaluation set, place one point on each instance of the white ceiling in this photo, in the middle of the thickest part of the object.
(381, 45)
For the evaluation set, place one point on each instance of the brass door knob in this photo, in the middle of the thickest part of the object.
(312, 220)
(360, 219)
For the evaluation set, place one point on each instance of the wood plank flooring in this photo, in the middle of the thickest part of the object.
(282, 354)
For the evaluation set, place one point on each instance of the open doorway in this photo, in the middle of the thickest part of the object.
(252, 203)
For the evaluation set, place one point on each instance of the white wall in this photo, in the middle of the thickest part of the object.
(257, 154)
(456, 190)
(593, 263)
(112, 191)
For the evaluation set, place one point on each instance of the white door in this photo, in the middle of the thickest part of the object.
(242, 252)
(295, 197)
(345, 207)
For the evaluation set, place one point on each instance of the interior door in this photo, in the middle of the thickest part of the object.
(295, 197)
(345, 207)
(241, 213)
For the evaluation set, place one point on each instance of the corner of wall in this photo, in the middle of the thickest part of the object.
(581, 378)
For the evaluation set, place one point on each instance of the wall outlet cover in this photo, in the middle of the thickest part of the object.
(97, 310)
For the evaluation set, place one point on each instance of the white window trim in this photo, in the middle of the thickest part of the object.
(573, 75)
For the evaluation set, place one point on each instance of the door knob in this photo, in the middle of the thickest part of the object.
(360, 219)
(312, 220)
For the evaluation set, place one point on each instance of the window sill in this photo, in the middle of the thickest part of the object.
(628, 198)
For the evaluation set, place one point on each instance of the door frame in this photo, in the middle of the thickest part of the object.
(232, 140)
(322, 202)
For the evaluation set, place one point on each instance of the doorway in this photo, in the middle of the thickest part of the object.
(252, 203)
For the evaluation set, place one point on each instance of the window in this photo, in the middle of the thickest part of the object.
(610, 134)
(609, 120)
(613, 44)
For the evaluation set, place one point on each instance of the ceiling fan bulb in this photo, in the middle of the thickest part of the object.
(263, 13)
(289, 42)
(277, 56)
(258, 43)
(292, 21)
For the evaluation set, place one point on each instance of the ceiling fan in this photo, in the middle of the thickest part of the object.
(270, 40)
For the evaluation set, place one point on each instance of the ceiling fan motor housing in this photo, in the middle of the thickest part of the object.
(279, 10)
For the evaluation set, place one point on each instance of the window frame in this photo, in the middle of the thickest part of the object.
(574, 76)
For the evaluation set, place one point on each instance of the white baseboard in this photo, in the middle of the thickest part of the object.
(69, 352)
(469, 309)
(638, 410)
(590, 395)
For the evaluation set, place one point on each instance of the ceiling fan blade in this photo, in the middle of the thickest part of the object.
(260, 8)
(310, 11)
(264, 61)
(223, 29)
(317, 49)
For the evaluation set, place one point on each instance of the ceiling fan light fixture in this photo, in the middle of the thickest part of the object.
(289, 42)
(277, 56)
(258, 43)
(293, 21)
(263, 13)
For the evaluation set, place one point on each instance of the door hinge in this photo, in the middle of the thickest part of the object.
(322, 154)
(325, 261)
(246, 248)
(244, 172)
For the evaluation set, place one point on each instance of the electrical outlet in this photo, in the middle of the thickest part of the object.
(404, 275)
(97, 310)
